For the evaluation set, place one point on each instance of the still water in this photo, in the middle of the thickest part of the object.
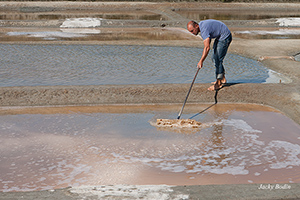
(36, 65)
(46, 148)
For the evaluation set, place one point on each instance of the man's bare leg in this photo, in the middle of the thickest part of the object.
(216, 86)
(223, 81)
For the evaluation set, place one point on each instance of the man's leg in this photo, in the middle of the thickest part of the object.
(220, 51)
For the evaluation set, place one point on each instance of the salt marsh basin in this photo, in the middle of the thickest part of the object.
(36, 65)
(56, 147)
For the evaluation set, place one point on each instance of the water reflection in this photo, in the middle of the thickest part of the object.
(217, 140)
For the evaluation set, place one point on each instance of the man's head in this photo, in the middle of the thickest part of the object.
(193, 27)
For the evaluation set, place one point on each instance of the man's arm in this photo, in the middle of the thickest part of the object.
(205, 52)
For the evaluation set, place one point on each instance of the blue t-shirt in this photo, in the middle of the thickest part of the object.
(213, 29)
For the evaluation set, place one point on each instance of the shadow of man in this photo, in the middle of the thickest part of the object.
(215, 97)
(216, 101)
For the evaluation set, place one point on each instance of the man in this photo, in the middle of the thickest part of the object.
(213, 29)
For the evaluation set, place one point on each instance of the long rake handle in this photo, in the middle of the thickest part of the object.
(179, 115)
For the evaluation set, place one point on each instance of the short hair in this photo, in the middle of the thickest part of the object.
(193, 23)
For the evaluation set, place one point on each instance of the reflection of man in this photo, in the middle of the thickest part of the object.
(213, 29)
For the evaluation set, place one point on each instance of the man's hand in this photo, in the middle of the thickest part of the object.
(200, 64)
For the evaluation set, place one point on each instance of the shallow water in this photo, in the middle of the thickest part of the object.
(46, 148)
(34, 65)
(297, 57)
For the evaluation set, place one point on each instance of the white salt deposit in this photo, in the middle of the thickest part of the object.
(239, 124)
(80, 30)
(275, 77)
(63, 33)
(288, 21)
(81, 23)
(290, 156)
(48, 34)
(145, 192)
(257, 174)
(277, 32)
